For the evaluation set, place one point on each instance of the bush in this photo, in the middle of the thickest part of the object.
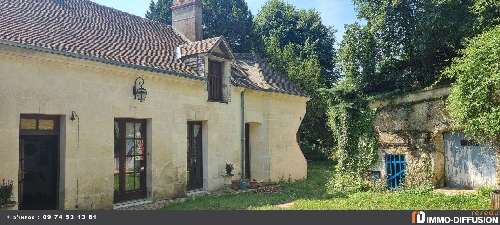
(474, 102)
(485, 191)
(346, 182)
(5, 191)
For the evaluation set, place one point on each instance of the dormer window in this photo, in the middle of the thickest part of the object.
(213, 59)
(215, 81)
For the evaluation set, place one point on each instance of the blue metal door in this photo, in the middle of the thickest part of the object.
(395, 169)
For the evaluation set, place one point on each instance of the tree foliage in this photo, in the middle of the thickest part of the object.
(230, 18)
(160, 11)
(487, 14)
(474, 103)
(402, 45)
(280, 25)
(296, 43)
(405, 43)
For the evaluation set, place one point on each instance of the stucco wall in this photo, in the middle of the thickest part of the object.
(40, 83)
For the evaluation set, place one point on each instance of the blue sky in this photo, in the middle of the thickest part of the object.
(334, 12)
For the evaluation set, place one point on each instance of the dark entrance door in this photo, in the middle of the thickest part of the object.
(247, 151)
(195, 156)
(39, 162)
(130, 159)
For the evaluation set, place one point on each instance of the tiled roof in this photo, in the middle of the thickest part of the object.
(83, 29)
(86, 28)
(251, 71)
(198, 47)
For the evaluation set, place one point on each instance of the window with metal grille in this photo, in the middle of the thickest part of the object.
(215, 81)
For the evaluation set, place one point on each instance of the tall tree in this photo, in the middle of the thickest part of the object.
(412, 40)
(160, 11)
(298, 44)
(282, 24)
(230, 18)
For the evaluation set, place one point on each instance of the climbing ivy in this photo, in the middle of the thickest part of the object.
(351, 121)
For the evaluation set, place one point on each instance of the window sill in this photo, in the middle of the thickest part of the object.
(217, 101)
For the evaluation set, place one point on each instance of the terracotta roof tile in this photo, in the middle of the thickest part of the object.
(86, 28)
(83, 29)
(251, 71)
(198, 47)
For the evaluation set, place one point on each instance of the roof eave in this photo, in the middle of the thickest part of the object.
(100, 60)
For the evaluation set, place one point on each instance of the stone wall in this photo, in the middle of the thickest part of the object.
(413, 125)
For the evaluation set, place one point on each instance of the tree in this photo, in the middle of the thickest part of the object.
(411, 41)
(296, 43)
(279, 24)
(487, 13)
(232, 19)
(474, 103)
(229, 18)
(160, 11)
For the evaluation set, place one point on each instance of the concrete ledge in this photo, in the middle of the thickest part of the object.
(414, 97)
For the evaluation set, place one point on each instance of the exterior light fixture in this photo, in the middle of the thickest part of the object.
(139, 91)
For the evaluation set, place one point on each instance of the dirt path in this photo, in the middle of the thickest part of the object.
(450, 191)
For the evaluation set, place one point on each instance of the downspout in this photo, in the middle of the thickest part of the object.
(243, 175)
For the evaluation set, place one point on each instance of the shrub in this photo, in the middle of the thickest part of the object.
(5, 191)
(485, 191)
(344, 183)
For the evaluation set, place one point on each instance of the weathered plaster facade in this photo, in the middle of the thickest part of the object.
(41, 83)
(413, 125)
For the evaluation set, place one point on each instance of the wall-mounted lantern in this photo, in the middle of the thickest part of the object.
(139, 91)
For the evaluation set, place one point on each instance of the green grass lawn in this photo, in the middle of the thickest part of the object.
(311, 194)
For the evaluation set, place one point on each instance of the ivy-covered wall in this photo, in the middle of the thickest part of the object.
(413, 125)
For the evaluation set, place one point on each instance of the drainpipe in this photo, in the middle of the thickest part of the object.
(242, 134)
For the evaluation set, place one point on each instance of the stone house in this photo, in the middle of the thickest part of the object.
(417, 145)
(100, 107)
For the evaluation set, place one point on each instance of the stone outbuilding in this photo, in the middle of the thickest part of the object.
(418, 145)
(99, 107)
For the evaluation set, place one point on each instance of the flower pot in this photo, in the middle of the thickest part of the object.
(227, 180)
(235, 185)
(243, 184)
(9, 206)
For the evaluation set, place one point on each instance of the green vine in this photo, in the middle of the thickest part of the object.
(351, 121)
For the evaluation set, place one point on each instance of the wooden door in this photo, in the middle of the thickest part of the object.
(130, 159)
(38, 162)
(195, 156)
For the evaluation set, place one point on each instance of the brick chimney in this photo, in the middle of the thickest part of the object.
(187, 18)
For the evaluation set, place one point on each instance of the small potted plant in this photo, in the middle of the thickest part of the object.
(228, 173)
(6, 194)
